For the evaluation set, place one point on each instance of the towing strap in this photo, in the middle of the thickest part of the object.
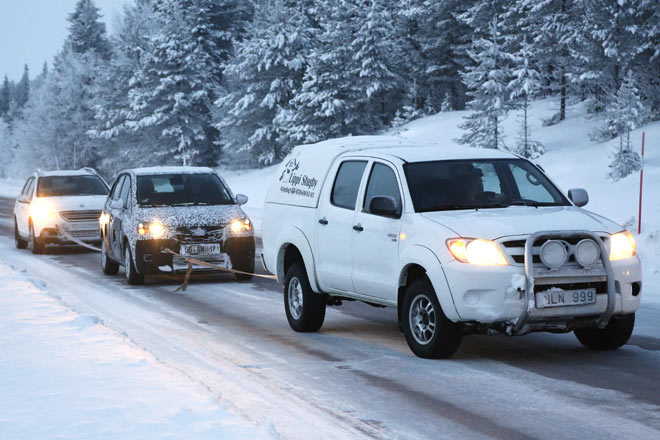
(192, 261)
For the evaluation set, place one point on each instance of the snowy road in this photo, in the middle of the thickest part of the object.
(356, 378)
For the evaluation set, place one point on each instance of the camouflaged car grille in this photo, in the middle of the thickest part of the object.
(200, 234)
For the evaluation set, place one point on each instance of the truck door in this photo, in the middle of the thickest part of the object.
(335, 226)
(375, 243)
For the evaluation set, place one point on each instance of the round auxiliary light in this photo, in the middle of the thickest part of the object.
(553, 254)
(587, 253)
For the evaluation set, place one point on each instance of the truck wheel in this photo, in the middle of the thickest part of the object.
(132, 276)
(305, 309)
(18, 241)
(428, 332)
(109, 266)
(38, 246)
(614, 335)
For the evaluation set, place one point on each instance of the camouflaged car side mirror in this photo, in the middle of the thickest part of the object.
(241, 199)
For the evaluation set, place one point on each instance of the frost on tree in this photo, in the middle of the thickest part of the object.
(623, 116)
(487, 82)
(523, 87)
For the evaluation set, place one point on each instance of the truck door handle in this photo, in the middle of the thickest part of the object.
(358, 228)
(323, 221)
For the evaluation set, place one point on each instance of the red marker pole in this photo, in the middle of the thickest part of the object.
(641, 181)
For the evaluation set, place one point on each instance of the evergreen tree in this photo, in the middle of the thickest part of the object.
(86, 30)
(487, 81)
(264, 76)
(23, 88)
(624, 115)
(524, 86)
(5, 96)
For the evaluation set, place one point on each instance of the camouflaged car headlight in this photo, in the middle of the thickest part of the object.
(155, 229)
(240, 225)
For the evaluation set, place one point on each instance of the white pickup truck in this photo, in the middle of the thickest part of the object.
(459, 240)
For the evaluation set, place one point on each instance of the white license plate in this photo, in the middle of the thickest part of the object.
(87, 226)
(200, 250)
(559, 298)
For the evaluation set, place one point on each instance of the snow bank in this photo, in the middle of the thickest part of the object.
(11, 188)
(81, 380)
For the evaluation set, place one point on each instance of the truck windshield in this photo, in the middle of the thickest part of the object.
(182, 190)
(61, 186)
(479, 184)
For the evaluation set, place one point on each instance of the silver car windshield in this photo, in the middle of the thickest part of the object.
(479, 184)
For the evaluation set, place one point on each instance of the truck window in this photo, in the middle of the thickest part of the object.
(347, 184)
(382, 182)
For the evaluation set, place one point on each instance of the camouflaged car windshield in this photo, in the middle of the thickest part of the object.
(182, 190)
(479, 184)
(62, 186)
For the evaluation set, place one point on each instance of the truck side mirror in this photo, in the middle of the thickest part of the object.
(241, 199)
(578, 196)
(384, 206)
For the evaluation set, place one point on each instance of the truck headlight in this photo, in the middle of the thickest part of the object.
(42, 211)
(237, 226)
(622, 245)
(477, 251)
(155, 229)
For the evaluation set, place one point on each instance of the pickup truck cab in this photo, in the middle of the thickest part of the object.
(459, 240)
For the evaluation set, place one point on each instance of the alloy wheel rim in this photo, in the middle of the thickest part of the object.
(422, 319)
(295, 298)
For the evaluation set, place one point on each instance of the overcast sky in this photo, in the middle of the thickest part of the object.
(33, 31)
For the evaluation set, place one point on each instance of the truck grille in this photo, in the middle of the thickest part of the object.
(514, 249)
(80, 216)
(200, 234)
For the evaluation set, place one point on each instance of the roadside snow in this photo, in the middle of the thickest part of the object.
(11, 188)
(254, 184)
(81, 380)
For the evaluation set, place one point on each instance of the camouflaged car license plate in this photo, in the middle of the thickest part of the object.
(200, 250)
(559, 298)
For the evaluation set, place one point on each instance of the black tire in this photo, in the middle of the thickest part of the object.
(430, 342)
(245, 265)
(109, 266)
(18, 241)
(36, 244)
(308, 316)
(613, 336)
(132, 276)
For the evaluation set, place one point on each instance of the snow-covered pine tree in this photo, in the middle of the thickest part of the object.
(5, 96)
(487, 82)
(523, 87)
(86, 30)
(611, 43)
(263, 77)
(334, 99)
(554, 27)
(172, 90)
(23, 88)
(624, 115)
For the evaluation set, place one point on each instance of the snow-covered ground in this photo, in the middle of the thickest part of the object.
(65, 375)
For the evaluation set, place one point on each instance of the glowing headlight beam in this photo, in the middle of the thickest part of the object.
(622, 245)
(156, 229)
(477, 251)
(41, 211)
(238, 226)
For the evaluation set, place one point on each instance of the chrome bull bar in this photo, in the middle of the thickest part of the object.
(531, 274)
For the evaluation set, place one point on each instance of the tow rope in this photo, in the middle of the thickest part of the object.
(191, 261)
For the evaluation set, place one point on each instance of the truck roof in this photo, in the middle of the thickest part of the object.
(302, 174)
